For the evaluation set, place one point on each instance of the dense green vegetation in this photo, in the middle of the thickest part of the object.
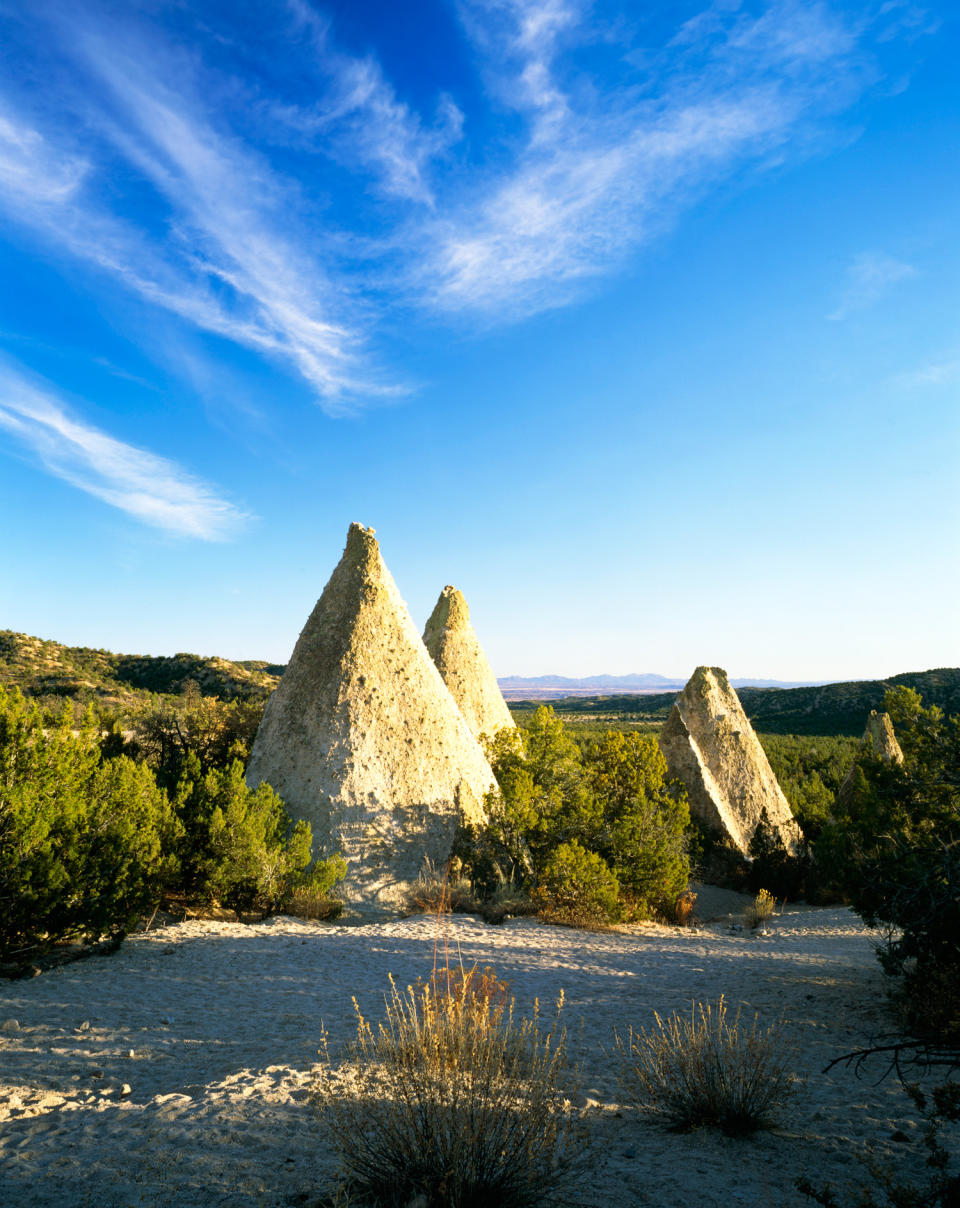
(893, 843)
(833, 709)
(45, 669)
(810, 769)
(85, 843)
(121, 779)
(91, 838)
(595, 832)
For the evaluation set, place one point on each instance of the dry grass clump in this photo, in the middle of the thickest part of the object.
(684, 912)
(452, 1100)
(436, 893)
(508, 901)
(708, 1070)
(760, 910)
(307, 903)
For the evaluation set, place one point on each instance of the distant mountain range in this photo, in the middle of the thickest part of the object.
(550, 687)
(50, 670)
(815, 709)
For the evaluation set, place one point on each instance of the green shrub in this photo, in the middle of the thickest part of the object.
(85, 843)
(772, 866)
(894, 847)
(452, 1101)
(577, 887)
(240, 848)
(707, 1070)
(608, 818)
(760, 910)
(168, 733)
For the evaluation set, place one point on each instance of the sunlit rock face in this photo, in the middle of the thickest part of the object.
(363, 739)
(881, 739)
(710, 746)
(456, 650)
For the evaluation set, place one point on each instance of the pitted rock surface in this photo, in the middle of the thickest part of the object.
(710, 746)
(362, 738)
(456, 650)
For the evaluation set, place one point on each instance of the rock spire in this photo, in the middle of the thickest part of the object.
(362, 738)
(710, 746)
(453, 646)
(880, 738)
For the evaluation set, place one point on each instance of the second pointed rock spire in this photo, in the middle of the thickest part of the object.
(456, 650)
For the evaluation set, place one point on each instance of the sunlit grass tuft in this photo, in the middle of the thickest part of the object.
(708, 1069)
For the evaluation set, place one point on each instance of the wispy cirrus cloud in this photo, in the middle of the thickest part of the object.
(601, 173)
(869, 277)
(31, 169)
(359, 120)
(233, 258)
(152, 489)
(942, 372)
(293, 221)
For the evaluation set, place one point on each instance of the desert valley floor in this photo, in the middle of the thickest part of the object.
(177, 1071)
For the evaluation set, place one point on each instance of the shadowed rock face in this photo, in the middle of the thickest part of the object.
(453, 646)
(710, 746)
(362, 738)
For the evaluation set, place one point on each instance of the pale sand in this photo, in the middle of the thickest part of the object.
(223, 1023)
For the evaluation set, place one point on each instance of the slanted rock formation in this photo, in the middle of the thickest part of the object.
(710, 746)
(454, 647)
(362, 738)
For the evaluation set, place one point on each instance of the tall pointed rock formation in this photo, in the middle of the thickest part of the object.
(453, 646)
(710, 746)
(362, 738)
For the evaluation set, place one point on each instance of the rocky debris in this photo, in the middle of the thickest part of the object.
(454, 647)
(363, 739)
(710, 746)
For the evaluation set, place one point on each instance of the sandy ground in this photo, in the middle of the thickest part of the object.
(176, 1071)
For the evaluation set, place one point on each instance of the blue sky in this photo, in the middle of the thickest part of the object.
(638, 323)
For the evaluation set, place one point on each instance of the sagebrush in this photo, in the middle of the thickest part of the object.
(708, 1069)
(760, 910)
(453, 1098)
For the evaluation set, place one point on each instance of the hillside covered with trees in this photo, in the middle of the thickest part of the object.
(828, 709)
(44, 669)
(49, 669)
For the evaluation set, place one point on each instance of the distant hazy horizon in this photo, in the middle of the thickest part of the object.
(636, 324)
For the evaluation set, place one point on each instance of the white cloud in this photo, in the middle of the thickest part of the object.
(580, 173)
(149, 488)
(600, 172)
(228, 269)
(937, 373)
(870, 276)
(361, 122)
(31, 169)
